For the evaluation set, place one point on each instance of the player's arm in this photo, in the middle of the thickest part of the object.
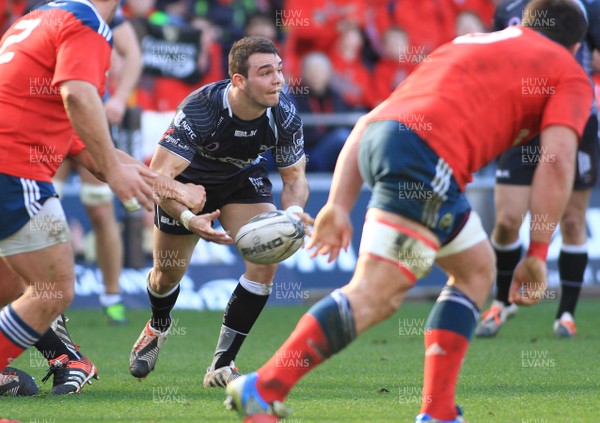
(347, 181)
(550, 190)
(170, 165)
(126, 45)
(190, 195)
(333, 227)
(557, 171)
(86, 113)
(295, 184)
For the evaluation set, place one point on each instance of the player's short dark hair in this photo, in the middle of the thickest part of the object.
(562, 21)
(243, 49)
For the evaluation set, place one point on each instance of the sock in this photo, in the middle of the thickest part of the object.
(15, 336)
(106, 300)
(571, 267)
(449, 329)
(161, 307)
(328, 327)
(245, 305)
(59, 326)
(507, 258)
(52, 347)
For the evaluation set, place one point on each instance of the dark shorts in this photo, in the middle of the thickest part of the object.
(409, 179)
(21, 200)
(251, 186)
(517, 165)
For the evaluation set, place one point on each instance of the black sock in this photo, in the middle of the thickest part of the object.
(52, 347)
(241, 313)
(161, 309)
(506, 262)
(571, 267)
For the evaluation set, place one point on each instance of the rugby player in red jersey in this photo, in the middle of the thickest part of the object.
(53, 63)
(451, 116)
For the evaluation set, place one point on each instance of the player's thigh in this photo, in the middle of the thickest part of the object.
(50, 269)
(471, 270)
(394, 253)
(511, 203)
(235, 215)
(572, 222)
(11, 284)
(39, 251)
(171, 255)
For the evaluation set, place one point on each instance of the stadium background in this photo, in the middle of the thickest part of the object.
(365, 49)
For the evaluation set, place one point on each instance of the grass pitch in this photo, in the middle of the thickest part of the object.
(525, 375)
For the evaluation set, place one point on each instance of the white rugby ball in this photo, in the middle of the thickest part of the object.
(269, 237)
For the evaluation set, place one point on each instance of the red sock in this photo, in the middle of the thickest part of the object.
(444, 353)
(306, 348)
(8, 351)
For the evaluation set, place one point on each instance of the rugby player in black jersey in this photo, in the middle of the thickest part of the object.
(216, 139)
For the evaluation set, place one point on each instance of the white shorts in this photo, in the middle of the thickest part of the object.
(47, 228)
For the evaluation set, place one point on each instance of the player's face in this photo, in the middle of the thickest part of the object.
(265, 79)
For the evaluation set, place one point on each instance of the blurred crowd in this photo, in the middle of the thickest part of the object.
(339, 55)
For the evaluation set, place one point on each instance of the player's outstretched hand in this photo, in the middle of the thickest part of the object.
(201, 226)
(193, 197)
(332, 232)
(132, 183)
(529, 281)
(307, 219)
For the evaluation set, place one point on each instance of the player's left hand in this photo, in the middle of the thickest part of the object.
(201, 225)
(529, 282)
(332, 232)
(193, 197)
(115, 110)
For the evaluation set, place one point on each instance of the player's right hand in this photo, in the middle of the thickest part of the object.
(201, 225)
(332, 232)
(529, 282)
(132, 181)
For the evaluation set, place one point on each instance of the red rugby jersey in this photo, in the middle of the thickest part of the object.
(60, 41)
(479, 95)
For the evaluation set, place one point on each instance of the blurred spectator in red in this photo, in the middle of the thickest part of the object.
(262, 25)
(163, 93)
(482, 9)
(351, 77)
(315, 25)
(228, 18)
(10, 10)
(393, 67)
(428, 23)
(468, 22)
(314, 94)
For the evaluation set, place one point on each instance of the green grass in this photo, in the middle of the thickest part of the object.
(377, 379)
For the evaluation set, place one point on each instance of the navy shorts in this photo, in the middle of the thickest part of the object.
(409, 179)
(251, 186)
(517, 165)
(22, 199)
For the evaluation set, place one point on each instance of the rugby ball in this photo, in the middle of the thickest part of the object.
(270, 237)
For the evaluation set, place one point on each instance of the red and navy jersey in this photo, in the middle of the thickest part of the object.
(219, 145)
(482, 94)
(510, 13)
(57, 42)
